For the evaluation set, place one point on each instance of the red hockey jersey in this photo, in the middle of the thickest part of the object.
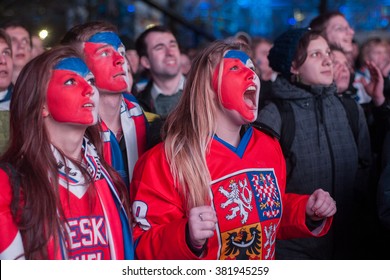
(247, 192)
(95, 227)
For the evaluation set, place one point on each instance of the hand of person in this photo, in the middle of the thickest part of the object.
(337, 69)
(201, 224)
(320, 205)
(385, 69)
(341, 75)
(375, 87)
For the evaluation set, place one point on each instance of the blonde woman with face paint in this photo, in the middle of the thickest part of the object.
(58, 198)
(214, 189)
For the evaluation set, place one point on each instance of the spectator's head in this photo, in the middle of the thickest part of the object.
(159, 52)
(341, 69)
(221, 81)
(6, 64)
(104, 54)
(21, 45)
(131, 53)
(37, 46)
(31, 105)
(260, 51)
(334, 27)
(185, 63)
(376, 50)
(301, 55)
(243, 38)
(284, 51)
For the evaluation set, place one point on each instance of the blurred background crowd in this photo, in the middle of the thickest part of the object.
(195, 21)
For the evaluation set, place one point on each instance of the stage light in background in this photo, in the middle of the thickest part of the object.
(43, 34)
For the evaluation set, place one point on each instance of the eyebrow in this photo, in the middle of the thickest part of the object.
(319, 50)
(103, 46)
(162, 44)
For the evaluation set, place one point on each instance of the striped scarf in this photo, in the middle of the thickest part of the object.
(121, 245)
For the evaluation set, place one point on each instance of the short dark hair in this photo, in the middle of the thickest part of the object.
(140, 43)
(82, 32)
(127, 42)
(303, 44)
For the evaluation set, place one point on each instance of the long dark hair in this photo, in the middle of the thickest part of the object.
(29, 160)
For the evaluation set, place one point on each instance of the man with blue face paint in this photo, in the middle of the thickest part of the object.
(122, 119)
(105, 55)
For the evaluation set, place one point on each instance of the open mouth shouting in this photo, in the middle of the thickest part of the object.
(250, 96)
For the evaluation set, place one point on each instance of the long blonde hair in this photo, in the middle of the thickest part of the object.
(189, 129)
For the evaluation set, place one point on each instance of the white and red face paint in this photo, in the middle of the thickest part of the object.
(240, 86)
(106, 57)
(71, 94)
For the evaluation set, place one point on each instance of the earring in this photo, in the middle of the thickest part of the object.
(298, 78)
(295, 78)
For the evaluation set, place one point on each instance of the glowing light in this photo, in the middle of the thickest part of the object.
(298, 15)
(43, 34)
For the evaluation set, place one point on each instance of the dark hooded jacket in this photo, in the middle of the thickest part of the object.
(326, 156)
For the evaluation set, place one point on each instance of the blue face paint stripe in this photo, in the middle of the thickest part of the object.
(74, 64)
(237, 54)
(106, 37)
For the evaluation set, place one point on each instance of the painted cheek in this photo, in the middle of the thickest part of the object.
(55, 98)
(232, 89)
(66, 106)
(228, 94)
(97, 65)
(232, 96)
(93, 62)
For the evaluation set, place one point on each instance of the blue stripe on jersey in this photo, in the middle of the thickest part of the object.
(73, 64)
(237, 54)
(106, 37)
(241, 148)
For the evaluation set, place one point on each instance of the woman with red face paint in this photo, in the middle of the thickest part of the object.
(58, 198)
(214, 189)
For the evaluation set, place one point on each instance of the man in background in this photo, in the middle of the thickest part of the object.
(159, 53)
(21, 46)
